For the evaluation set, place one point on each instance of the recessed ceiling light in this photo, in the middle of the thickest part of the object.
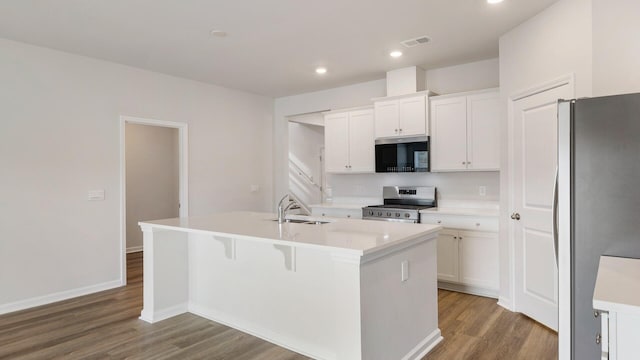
(395, 53)
(494, 1)
(321, 70)
(218, 33)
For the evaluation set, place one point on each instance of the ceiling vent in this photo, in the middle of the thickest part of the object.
(414, 42)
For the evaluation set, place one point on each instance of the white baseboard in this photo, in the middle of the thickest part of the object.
(505, 303)
(426, 345)
(164, 313)
(134, 249)
(285, 341)
(473, 290)
(59, 296)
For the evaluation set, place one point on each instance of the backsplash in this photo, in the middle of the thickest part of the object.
(451, 186)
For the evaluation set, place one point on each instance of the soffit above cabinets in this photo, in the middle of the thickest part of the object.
(270, 47)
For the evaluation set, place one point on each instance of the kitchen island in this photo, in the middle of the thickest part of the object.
(344, 289)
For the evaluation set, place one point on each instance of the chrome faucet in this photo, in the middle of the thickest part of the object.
(282, 209)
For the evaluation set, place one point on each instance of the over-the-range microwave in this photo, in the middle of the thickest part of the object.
(408, 154)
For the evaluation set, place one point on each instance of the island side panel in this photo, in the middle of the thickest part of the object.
(165, 274)
(400, 318)
(279, 293)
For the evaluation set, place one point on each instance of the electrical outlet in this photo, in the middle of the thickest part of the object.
(482, 190)
(95, 195)
(405, 270)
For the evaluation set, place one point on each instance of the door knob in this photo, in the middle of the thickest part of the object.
(515, 216)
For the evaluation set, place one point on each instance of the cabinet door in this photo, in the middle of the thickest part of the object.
(483, 131)
(413, 116)
(386, 118)
(479, 259)
(361, 141)
(449, 134)
(448, 256)
(336, 142)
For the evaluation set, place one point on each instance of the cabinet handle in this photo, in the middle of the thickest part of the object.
(468, 162)
(459, 237)
(598, 339)
(400, 130)
(439, 221)
(455, 238)
(515, 216)
(464, 163)
(477, 224)
(396, 130)
(348, 216)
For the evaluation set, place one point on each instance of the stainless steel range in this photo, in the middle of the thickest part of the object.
(402, 203)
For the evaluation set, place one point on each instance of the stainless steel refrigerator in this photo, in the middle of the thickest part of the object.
(598, 207)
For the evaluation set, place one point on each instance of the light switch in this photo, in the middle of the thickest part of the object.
(483, 191)
(95, 195)
(405, 270)
(254, 188)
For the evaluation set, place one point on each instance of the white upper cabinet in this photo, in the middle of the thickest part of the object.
(349, 142)
(465, 132)
(405, 116)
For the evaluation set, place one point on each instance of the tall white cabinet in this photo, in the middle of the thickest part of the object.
(465, 131)
(349, 141)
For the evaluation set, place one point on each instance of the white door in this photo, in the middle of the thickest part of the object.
(448, 256)
(413, 117)
(449, 134)
(336, 140)
(387, 115)
(361, 141)
(534, 120)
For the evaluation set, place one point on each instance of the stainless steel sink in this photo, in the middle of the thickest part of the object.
(301, 221)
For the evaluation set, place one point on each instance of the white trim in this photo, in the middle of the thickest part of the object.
(568, 79)
(183, 154)
(505, 303)
(426, 345)
(164, 313)
(59, 296)
(134, 249)
(468, 289)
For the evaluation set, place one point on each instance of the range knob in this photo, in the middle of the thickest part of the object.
(388, 214)
(397, 214)
(379, 213)
(407, 215)
(371, 212)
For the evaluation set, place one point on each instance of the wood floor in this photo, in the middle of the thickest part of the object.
(106, 326)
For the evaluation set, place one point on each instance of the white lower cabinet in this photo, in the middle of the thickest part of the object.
(467, 260)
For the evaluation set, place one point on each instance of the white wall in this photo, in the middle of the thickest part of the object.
(473, 76)
(466, 77)
(552, 44)
(59, 137)
(616, 47)
(152, 181)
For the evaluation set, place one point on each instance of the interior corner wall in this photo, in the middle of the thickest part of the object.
(60, 137)
(552, 44)
(616, 48)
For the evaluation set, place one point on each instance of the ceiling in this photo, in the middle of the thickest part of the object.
(273, 46)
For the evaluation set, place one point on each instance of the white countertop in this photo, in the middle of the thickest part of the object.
(356, 237)
(351, 206)
(618, 285)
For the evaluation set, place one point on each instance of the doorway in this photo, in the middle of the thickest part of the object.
(153, 177)
(533, 163)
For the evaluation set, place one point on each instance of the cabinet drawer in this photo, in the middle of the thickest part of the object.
(464, 222)
(337, 212)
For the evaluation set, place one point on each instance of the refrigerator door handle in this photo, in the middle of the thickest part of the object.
(554, 218)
